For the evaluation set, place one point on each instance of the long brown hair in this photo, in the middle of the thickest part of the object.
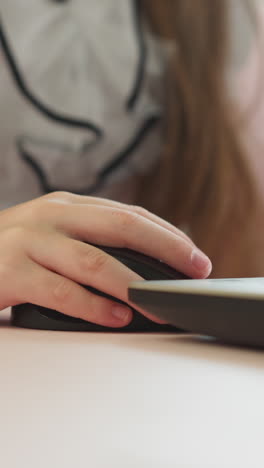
(203, 181)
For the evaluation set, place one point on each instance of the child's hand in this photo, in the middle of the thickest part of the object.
(43, 258)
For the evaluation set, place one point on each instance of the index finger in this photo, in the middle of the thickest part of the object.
(87, 200)
(114, 227)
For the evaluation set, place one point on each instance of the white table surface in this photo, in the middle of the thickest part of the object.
(128, 401)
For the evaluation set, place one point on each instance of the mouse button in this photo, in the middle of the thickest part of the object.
(150, 269)
(143, 269)
(145, 266)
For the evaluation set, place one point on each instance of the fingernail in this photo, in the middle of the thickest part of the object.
(200, 261)
(121, 313)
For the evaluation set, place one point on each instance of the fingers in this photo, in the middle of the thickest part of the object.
(84, 264)
(85, 200)
(116, 227)
(42, 246)
(48, 289)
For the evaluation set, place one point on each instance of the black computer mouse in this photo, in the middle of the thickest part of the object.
(33, 316)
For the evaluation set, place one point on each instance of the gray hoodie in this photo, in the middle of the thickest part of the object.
(81, 96)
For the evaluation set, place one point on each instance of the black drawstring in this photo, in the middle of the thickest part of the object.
(118, 160)
(52, 115)
(115, 163)
(63, 119)
(138, 83)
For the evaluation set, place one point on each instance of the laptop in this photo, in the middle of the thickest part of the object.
(231, 309)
